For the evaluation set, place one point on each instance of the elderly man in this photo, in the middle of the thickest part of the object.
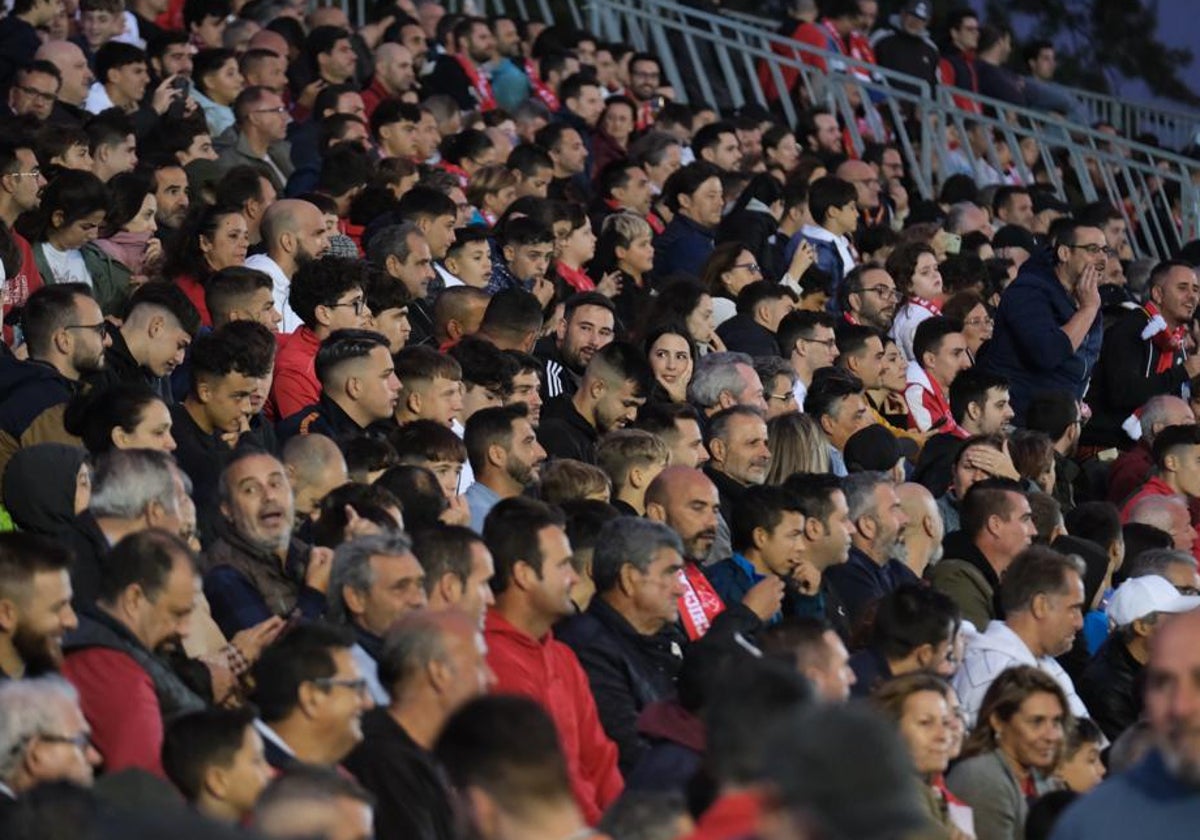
(1042, 597)
(740, 459)
(1156, 798)
(44, 737)
(723, 380)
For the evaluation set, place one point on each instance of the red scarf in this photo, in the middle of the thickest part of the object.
(479, 83)
(576, 278)
(549, 99)
(1166, 341)
(699, 604)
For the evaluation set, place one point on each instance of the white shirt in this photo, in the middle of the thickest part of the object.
(447, 278)
(66, 266)
(97, 99)
(280, 286)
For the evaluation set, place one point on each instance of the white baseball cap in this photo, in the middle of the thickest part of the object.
(1138, 597)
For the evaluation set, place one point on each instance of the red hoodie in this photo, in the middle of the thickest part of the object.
(547, 671)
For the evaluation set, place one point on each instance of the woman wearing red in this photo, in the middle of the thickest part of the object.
(212, 238)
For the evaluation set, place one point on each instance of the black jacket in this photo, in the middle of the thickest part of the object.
(88, 548)
(907, 53)
(558, 378)
(742, 334)
(411, 798)
(33, 397)
(564, 433)
(121, 366)
(935, 467)
(326, 417)
(1124, 380)
(626, 670)
(1111, 688)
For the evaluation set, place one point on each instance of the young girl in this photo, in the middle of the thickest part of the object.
(73, 207)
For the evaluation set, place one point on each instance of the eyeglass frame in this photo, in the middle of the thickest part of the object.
(358, 685)
(827, 343)
(881, 290)
(41, 96)
(1095, 250)
(359, 304)
(100, 329)
(752, 267)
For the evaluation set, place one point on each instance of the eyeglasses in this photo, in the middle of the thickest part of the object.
(48, 98)
(985, 321)
(282, 109)
(780, 397)
(32, 173)
(358, 686)
(1094, 250)
(81, 741)
(885, 292)
(98, 329)
(359, 305)
(753, 268)
(827, 343)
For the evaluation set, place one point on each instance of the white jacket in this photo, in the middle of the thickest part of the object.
(995, 650)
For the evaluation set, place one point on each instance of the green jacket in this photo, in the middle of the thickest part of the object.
(110, 278)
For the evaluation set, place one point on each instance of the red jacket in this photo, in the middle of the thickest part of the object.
(547, 671)
(927, 403)
(733, 815)
(1128, 472)
(118, 700)
(373, 95)
(1155, 486)
(192, 287)
(295, 385)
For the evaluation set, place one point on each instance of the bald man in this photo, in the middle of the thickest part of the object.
(269, 39)
(686, 501)
(1157, 796)
(458, 312)
(921, 545)
(866, 184)
(395, 75)
(434, 663)
(315, 466)
(294, 234)
(77, 78)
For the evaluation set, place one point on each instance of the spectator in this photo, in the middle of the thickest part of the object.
(257, 569)
(1143, 355)
(294, 235)
(45, 737)
(311, 698)
(532, 584)
(460, 73)
(1177, 472)
(868, 296)
(837, 402)
(314, 466)
(587, 327)
(1048, 328)
(904, 45)
(313, 801)
(627, 640)
(375, 579)
(1133, 467)
(922, 537)
(678, 425)
(215, 758)
(979, 405)
(995, 79)
(1165, 768)
(1169, 516)
(827, 534)
(962, 26)
(1041, 92)
(914, 268)
(872, 570)
(1137, 612)
(916, 629)
(1002, 759)
(807, 341)
(145, 600)
(997, 525)
(1042, 601)
(36, 587)
(432, 665)
(694, 195)
(940, 355)
(1057, 415)
(833, 203)
(259, 136)
(740, 459)
(458, 570)
(632, 458)
(726, 380)
(505, 456)
(761, 308)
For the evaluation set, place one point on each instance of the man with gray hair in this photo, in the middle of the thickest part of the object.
(132, 490)
(1042, 601)
(737, 440)
(873, 569)
(375, 580)
(723, 380)
(43, 736)
(432, 663)
(628, 641)
(1131, 469)
(1178, 567)
(967, 217)
(404, 253)
(1169, 514)
(293, 233)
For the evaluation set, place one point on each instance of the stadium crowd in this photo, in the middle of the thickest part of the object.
(434, 428)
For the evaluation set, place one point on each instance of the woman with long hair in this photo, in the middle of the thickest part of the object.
(969, 308)
(730, 268)
(626, 246)
(888, 399)
(210, 239)
(797, 446)
(131, 253)
(610, 141)
(917, 703)
(73, 207)
(914, 267)
(687, 302)
(672, 356)
(123, 416)
(1015, 746)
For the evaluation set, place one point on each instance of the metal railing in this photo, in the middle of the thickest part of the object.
(877, 104)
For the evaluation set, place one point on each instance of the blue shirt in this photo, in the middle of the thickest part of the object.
(1147, 801)
(480, 500)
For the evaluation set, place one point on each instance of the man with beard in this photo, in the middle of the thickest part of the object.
(311, 696)
(614, 386)
(1157, 796)
(171, 195)
(395, 76)
(146, 599)
(533, 582)
(66, 336)
(587, 326)
(686, 501)
(879, 521)
(257, 569)
(45, 737)
(35, 604)
(869, 297)
(459, 74)
(294, 234)
(828, 533)
(505, 456)
(21, 184)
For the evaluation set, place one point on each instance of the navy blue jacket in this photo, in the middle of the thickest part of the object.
(1146, 801)
(860, 582)
(682, 248)
(1029, 347)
